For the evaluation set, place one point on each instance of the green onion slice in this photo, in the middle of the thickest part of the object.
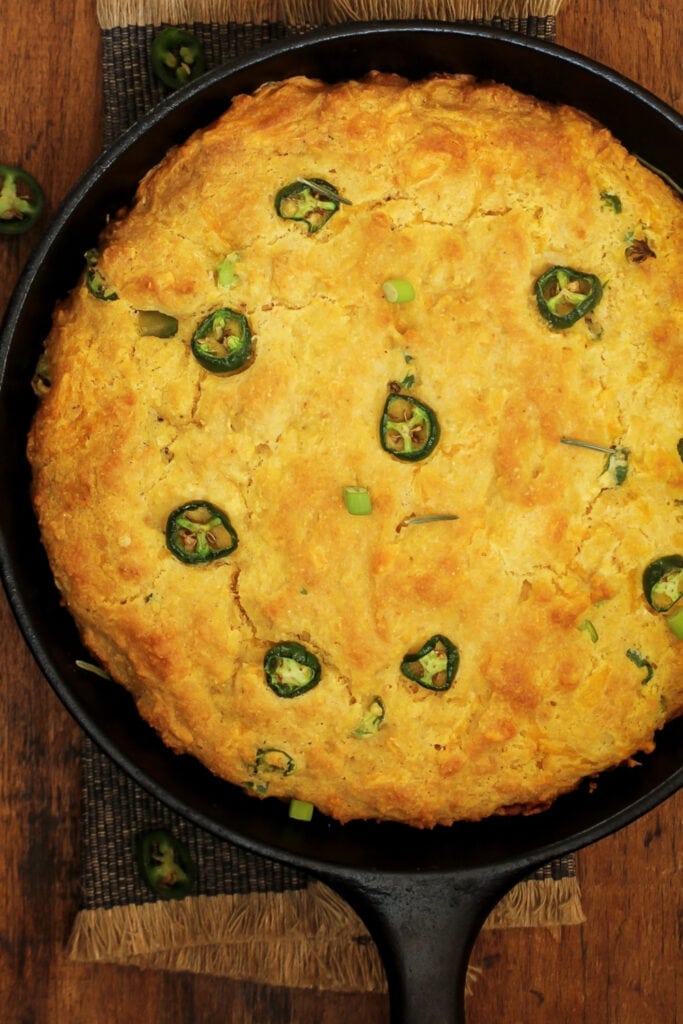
(88, 666)
(675, 623)
(397, 289)
(358, 500)
(301, 810)
(225, 271)
(588, 627)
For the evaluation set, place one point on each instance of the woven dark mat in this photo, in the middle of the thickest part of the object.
(125, 58)
(247, 917)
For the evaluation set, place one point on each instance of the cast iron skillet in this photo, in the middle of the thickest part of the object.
(423, 894)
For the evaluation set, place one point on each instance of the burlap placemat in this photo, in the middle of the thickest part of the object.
(246, 917)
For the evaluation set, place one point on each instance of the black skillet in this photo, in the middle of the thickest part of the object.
(423, 894)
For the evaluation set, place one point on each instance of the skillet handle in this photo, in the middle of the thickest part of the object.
(424, 927)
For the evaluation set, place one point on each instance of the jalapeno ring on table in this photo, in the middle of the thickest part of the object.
(177, 56)
(21, 200)
(165, 864)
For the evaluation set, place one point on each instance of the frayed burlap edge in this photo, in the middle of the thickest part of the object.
(304, 939)
(116, 13)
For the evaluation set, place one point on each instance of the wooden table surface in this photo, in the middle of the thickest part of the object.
(622, 967)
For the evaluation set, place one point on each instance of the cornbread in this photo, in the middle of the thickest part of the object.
(461, 303)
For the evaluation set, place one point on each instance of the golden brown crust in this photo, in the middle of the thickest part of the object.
(470, 191)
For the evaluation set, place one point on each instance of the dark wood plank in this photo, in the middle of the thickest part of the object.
(622, 967)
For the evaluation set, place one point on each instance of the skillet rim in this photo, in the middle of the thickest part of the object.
(303, 848)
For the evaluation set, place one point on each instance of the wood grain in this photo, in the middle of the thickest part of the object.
(622, 967)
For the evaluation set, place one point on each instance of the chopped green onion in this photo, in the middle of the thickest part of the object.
(588, 627)
(611, 202)
(154, 324)
(397, 289)
(225, 271)
(372, 720)
(640, 662)
(301, 810)
(357, 500)
(675, 623)
(88, 666)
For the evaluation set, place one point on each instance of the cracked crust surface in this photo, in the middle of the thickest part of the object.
(470, 191)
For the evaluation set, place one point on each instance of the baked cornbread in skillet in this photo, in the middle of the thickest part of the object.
(482, 640)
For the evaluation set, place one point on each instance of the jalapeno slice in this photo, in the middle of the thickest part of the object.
(372, 720)
(152, 323)
(21, 200)
(165, 864)
(663, 589)
(222, 343)
(177, 56)
(639, 250)
(409, 429)
(565, 295)
(663, 582)
(41, 382)
(311, 200)
(94, 279)
(291, 669)
(269, 761)
(199, 532)
(435, 665)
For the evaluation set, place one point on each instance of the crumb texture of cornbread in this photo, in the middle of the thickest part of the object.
(525, 552)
